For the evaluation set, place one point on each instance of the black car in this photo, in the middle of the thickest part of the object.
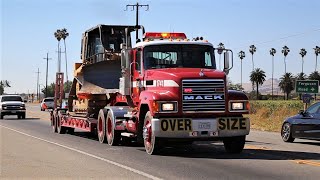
(305, 125)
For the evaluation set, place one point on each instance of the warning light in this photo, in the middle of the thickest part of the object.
(158, 35)
(187, 90)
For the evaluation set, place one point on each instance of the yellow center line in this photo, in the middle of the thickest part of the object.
(255, 147)
(312, 163)
(298, 161)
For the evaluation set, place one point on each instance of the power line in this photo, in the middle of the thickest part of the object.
(285, 37)
(47, 58)
(38, 89)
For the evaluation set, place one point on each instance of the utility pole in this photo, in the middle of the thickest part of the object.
(136, 6)
(47, 58)
(38, 93)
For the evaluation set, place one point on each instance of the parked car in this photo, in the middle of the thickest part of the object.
(12, 105)
(305, 125)
(47, 103)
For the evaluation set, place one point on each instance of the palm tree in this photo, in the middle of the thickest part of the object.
(252, 50)
(65, 34)
(258, 77)
(4, 84)
(285, 51)
(58, 36)
(272, 53)
(241, 55)
(300, 76)
(317, 52)
(220, 50)
(287, 84)
(314, 76)
(303, 52)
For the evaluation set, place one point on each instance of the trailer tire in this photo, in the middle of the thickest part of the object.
(60, 129)
(70, 130)
(53, 123)
(234, 145)
(113, 137)
(152, 144)
(101, 126)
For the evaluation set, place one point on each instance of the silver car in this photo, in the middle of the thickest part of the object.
(47, 103)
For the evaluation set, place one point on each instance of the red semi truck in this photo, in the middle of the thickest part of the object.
(163, 91)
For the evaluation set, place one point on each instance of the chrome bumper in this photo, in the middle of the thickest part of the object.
(12, 111)
(201, 128)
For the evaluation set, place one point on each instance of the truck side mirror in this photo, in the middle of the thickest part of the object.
(226, 63)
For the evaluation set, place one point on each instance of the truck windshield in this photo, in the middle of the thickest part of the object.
(179, 55)
(11, 98)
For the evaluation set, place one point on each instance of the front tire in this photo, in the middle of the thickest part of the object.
(23, 116)
(151, 143)
(234, 144)
(286, 133)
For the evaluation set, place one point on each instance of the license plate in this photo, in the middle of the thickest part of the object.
(13, 111)
(176, 124)
(232, 123)
(204, 125)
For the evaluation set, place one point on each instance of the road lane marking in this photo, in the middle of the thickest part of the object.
(255, 147)
(312, 163)
(87, 154)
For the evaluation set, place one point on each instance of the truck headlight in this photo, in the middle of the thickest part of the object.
(239, 105)
(167, 106)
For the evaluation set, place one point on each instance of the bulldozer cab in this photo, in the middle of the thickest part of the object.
(101, 67)
(104, 42)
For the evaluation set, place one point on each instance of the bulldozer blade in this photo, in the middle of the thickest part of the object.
(102, 77)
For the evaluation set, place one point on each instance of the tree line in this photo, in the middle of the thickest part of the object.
(287, 80)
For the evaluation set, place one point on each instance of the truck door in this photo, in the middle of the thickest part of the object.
(137, 77)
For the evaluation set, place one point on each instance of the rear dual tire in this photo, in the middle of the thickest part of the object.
(113, 136)
(101, 126)
(106, 128)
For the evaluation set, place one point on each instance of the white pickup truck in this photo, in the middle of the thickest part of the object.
(12, 105)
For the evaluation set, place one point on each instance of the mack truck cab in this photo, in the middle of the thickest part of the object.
(180, 94)
(163, 91)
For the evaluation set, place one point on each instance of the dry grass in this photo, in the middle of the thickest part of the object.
(269, 115)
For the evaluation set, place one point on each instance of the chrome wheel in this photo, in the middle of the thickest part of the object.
(286, 133)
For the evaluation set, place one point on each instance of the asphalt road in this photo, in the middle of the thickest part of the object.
(29, 149)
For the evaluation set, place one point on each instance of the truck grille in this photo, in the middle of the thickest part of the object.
(13, 107)
(203, 95)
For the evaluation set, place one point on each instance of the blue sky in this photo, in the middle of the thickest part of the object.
(27, 28)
